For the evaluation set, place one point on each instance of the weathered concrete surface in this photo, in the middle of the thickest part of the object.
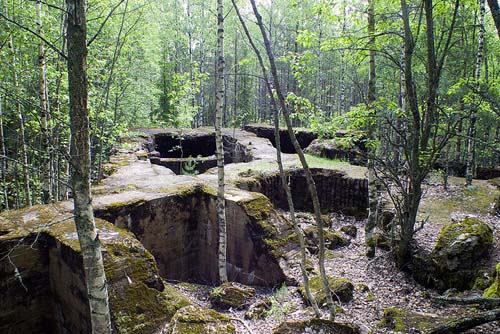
(304, 137)
(42, 287)
(173, 217)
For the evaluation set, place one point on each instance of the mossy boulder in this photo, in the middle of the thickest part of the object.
(350, 230)
(342, 289)
(459, 250)
(232, 295)
(493, 291)
(333, 240)
(197, 320)
(315, 326)
(456, 259)
(403, 321)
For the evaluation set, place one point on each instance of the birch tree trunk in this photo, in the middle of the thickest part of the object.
(219, 109)
(286, 187)
(80, 169)
(45, 173)
(372, 182)
(471, 135)
(20, 122)
(307, 171)
(3, 160)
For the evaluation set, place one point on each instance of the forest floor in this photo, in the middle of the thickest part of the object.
(388, 287)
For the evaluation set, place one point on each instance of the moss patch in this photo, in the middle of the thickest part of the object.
(475, 200)
(342, 289)
(136, 308)
(468, 227)
(494, 290)
(403, 321)
(196, 320)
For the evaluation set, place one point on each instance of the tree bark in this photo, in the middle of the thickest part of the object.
(80, 169)
(286, 187)
(307, 172)
(471, 135)
(219, 109)
(372, 182)
(45, 175)
(20, 122)
(3, 159)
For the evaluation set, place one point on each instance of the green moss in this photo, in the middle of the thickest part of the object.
(134, 202)
(136, 308)
(475, 201)
(196, 320)
(494, 290)
(341, 288)
(468, 226)
(404, 321)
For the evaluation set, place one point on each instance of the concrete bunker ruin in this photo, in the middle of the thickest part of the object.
(194, 152)
(304, 138)
(181, 232)
(336, 191)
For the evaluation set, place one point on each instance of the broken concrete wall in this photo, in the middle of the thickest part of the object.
(181, 231)
(336, 191)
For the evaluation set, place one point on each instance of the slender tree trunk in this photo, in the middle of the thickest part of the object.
(286, 187)
(3, 159)
(307, 171)
(471, 134)
(103, 107)
(235, 99)
(219, 108)
(408, 216)
(20, 122)
(372, 181)
(80, 169)
(45, 173)
(343, 108)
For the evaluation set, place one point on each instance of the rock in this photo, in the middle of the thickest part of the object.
(494, 290)
(196, 320)
(338, 149)
(333, 240)
(459, 249)
(350, 230)
(232, 295)
(403, 321)
(456, 258)
(315, 326)
(258, 309)
(43, 242)
(342, 290)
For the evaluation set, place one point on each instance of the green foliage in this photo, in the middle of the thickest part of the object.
(189, 167)
(280, 303)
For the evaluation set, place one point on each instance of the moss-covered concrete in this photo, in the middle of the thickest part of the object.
(198, 320)
(342, 289)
